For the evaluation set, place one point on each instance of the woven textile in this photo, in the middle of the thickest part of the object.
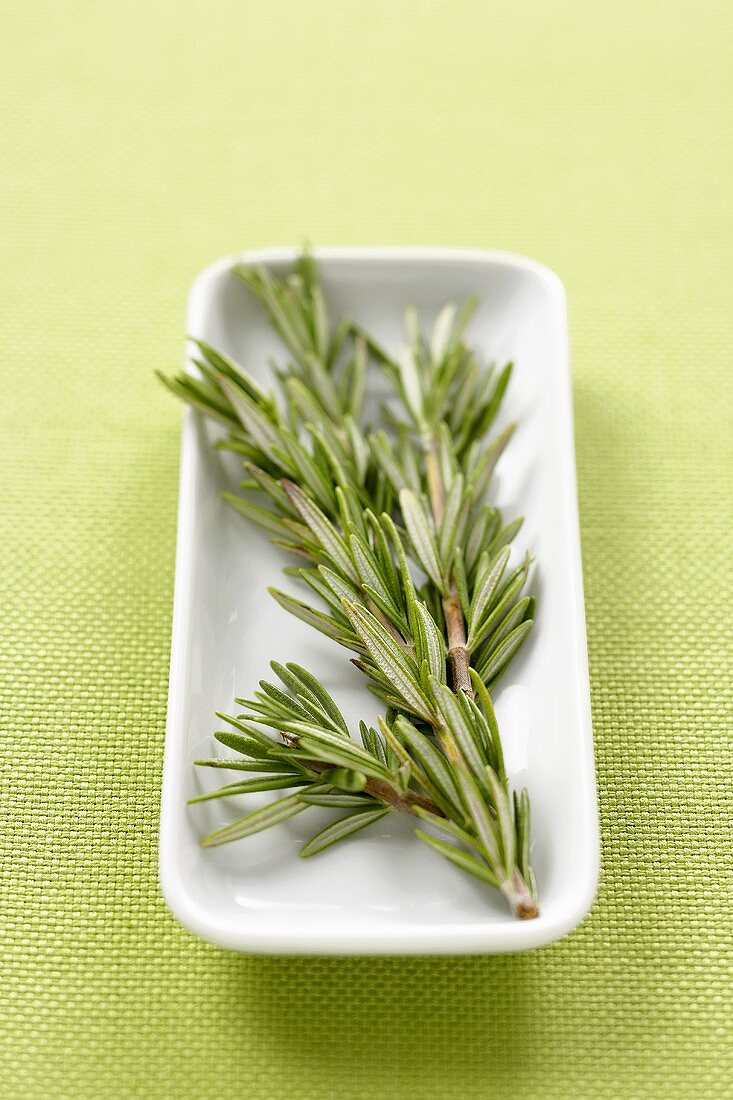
(142, 140)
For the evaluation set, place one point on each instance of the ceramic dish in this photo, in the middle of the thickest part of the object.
(382, 892)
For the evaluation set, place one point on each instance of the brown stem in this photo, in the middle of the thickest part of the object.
(406, 802)
(520, 898)
(458, 662)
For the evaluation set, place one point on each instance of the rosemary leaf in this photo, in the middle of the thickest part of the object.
(409, 558)
(460, 858)
(342, 829)
(256, 821)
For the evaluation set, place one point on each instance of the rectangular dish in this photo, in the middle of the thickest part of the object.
(368, 896)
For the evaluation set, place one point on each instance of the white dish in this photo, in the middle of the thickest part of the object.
(369, 896)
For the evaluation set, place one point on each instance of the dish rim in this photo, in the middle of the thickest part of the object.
(468, 938)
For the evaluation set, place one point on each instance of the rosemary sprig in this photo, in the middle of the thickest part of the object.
(410, 568)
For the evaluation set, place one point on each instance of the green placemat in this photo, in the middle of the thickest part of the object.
(141, 141)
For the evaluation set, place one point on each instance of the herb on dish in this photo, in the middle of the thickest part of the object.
(410, 568)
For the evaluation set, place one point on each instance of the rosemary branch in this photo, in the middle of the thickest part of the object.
(353, 507)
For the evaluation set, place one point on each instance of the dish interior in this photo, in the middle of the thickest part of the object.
(383, 890)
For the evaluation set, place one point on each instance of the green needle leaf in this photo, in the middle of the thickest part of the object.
(222, 365)
(325, 623)
(461, 859)
(411, 385)
(261, 516)
(432, 762)
(449, 827)
(487, 708)
(342, 829)
(421, 536)
(307, 682)
(250, 786)
(506, 822)
(340, 800)
(487, 582)
(232, 764)
(442, 332)
(433, 644)
(346, 779)
(400, 669)
(336, 752)
(501, 657)
(461, 729)
(323, 530)
(251, 417)
(255, 822)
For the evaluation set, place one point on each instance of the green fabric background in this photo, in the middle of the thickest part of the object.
(142, 140)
